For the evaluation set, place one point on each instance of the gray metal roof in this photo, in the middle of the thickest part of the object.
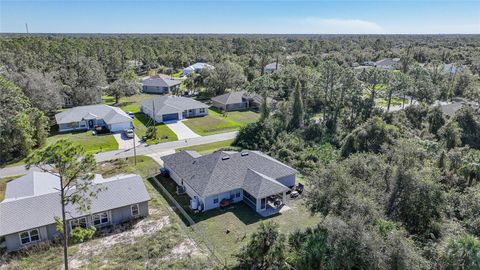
(40, 207)
(109, 114)
(160, 81)
(387, 62)
(221, 172)
(273, 66)
(172, 104)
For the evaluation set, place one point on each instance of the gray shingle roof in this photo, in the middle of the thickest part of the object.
(40, 207)
(387, 62)
(238, 96)
(111, 115)
(221, 171)
(173, 104)
(160, 81)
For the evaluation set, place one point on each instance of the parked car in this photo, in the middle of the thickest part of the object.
(129, 133)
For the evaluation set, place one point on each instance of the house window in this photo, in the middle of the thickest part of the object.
(79, 222)
(202, 110)
(135, 210)
(238, 194)
(101, 218)
(215, 200)
(29, 236)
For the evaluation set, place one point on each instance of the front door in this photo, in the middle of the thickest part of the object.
(91, 124)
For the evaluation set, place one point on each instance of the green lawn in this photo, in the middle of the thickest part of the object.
(241, 221)
(92, 143)
(216, 122)
(141, 121)
(152, 251)
(207, 148)
(383, 102)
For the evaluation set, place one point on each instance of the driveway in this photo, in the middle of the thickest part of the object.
(157, 150)
(182, 131)
(124, 142)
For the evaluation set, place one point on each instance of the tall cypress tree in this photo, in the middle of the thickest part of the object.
(297, 109)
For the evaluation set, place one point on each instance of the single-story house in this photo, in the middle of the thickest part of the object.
(452, 69)
(450, 108)
(272, 67)
(238, 100)
(248, 176)
(159, 85)
(387, 63)
(197, 67)
(32, 202)
(92, 116)
(172, 108)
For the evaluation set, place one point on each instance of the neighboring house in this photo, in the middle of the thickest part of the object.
(237, 101)
(450, 108)
(32, 202)
(452, 69)
(92, 116)
(387, 63)
(172, 108)
(197, 67)
(159, 85)
(272, 67)
(249, 176)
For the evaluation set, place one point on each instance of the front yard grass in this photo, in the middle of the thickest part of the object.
(91, 143)
(145, 250)
(229, 229)
(207, 148)
(216, 122)
(141, 121)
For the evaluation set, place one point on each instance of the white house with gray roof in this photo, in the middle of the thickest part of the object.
(160, 85)
(272, 67)
(173, 108)
(249, 176)
(238, 100)
(92, 116)
(197, 67)
(32, 202)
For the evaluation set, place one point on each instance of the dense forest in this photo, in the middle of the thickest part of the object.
(396, 189)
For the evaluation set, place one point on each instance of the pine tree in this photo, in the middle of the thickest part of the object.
(297, 109)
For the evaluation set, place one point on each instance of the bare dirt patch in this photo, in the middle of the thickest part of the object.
(94, 247)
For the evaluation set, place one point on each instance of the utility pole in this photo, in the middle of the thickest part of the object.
(26, 27)
(134, 148)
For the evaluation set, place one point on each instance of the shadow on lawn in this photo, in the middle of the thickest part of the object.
(242, 211)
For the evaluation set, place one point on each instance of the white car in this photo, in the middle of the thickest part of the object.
(129, 133)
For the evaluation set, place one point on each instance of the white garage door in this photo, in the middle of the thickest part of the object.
(120, 127)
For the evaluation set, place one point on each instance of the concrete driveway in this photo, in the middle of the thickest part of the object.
(124, 142)
(182, 131)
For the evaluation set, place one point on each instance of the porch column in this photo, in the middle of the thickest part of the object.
(284, 199)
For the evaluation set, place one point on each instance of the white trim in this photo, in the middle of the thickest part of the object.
(77, 219)
(138, 210)
(29, 236)
(100, 218)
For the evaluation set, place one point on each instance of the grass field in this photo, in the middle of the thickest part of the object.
(216, 122)
(142, 250)
(207, 148)
(91, 143)
(141, 121)
(394, 102)
(241, 221)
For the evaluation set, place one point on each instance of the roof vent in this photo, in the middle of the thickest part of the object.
(244, 154)
(225, 157)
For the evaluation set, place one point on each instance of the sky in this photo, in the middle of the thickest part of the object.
(244, 16)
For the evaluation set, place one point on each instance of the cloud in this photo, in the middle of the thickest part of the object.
(338, 26)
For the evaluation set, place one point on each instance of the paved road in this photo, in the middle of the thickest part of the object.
(141, 150)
